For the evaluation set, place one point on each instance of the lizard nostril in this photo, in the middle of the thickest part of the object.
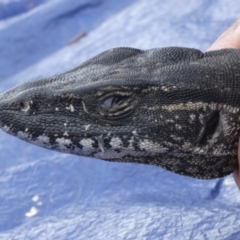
(24, 106)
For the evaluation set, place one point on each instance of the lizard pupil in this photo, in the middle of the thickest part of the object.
(114, 101)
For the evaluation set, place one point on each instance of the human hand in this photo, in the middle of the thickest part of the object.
(230, 39)
(236, 174)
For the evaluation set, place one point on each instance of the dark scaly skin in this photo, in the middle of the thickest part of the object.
(177, 108)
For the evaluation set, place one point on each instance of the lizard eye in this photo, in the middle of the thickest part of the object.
(24, 106)
(116, 105)
(114, 101)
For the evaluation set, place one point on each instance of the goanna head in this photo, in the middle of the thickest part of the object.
(127, 105)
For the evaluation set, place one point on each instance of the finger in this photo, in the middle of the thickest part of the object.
(236, 178)
(229, 39)
(236, 174)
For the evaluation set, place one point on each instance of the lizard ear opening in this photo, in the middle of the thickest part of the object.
(210, 128)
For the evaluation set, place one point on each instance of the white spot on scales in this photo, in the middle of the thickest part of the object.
(131, 141)
(43, 139)
(6, 128)
(87, 142)
(134, 132)
(87, 127)
(116, 142)
(71, 108)
(150, 145)
(65, 134)
(192, 117)
(63, 143)
(24, 135)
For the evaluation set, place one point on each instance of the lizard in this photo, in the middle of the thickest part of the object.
(174, 107)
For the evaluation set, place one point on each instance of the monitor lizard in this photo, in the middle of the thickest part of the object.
(177, 108)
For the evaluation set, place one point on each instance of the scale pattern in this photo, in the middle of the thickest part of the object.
(176, 108)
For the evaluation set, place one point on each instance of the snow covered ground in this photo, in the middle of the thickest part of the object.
(48, 195)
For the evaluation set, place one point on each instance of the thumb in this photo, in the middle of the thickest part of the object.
(229, 39)
(236, 174)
